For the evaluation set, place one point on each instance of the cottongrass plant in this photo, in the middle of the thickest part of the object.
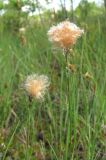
(36, 86)
(64, 35)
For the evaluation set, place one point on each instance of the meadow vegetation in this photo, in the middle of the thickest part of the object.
(70, 123)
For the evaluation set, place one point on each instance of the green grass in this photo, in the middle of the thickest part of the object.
(68, 125)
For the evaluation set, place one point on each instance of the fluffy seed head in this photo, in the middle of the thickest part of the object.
(36, 85)
(64, 34)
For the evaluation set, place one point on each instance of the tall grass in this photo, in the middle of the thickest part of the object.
(70, 124)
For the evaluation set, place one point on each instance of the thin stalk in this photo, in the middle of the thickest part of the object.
(66, 53)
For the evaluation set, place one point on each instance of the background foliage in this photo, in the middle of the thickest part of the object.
(66, 126)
